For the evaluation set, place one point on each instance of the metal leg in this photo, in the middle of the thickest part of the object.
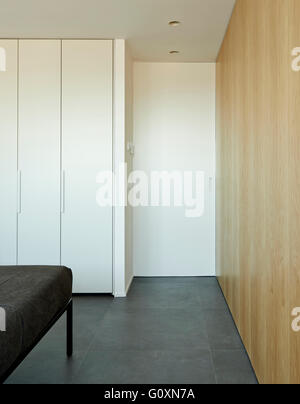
(70, 329)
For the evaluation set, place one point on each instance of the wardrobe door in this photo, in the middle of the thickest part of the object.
(86, 150)
(8, 151)
(39, 152)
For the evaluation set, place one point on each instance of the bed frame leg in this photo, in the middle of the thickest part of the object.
(70, 329)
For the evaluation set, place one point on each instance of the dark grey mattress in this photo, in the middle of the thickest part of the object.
(31, 297)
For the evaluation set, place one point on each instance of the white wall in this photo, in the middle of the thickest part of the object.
(129, 161)
(119, 288)
(122, 133)
(174, 129)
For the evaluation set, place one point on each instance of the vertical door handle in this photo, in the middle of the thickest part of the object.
(19, 192)
(63, 182)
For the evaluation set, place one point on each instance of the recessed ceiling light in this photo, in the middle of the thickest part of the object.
(174, 52)
(174, 23)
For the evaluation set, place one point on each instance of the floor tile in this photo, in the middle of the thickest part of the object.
(148, 367)
(221, 330)
(152, 329)
(233, 367)
(176, 295)
(47, 367)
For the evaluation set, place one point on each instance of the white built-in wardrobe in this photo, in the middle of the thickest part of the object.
(55, 136)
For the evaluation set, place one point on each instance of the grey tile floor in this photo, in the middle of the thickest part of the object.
(168, 330)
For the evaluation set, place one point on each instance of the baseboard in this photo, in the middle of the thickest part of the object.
(173, 276)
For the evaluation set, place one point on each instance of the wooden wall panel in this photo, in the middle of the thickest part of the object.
(258, 197)
(294, 188)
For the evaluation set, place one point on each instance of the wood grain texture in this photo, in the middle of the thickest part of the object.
(258, 197)
(294, 188)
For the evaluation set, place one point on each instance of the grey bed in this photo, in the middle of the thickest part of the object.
(33, 299)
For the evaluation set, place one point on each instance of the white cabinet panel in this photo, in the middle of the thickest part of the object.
(39, 152)
(86, 150)
(8, 151)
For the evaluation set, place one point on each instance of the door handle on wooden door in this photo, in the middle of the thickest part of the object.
(62, 202)
(19, 202)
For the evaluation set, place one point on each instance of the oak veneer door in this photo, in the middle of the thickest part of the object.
(86, 151)
(8, 151)
(39, 152)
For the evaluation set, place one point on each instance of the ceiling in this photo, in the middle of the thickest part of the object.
(144, 23)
